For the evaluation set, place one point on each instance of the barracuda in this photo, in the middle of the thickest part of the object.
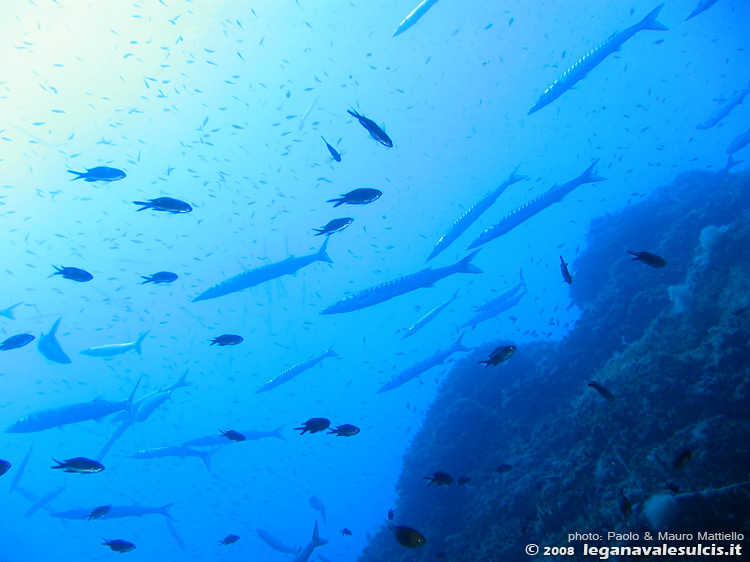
(292, 372)
(536, 205)
(259, 275)
(590, 60)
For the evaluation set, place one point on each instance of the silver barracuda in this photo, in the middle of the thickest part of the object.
(414, 16)
(736, 99)
(415, 370)
(275, 543)
(590, 60)
(74, 413)
(702, 6)
(179, 451)
(315, 542)
(427, 318)
(525, 212)
(112, 349)
(292, 372)
(146, 405)
(492, 309)
(116, 512)
(249, 434)
(472, 214)
(264, 273)
(401, 285)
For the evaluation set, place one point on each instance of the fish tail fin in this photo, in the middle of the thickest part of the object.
(465, 265)
(336, 202)
(58, 271)
(8, 312)
(353, 113)
(207, 455)
(331, 352)
(147, 278)
(165, 511)
(651, 23)
(132, 394)
(316, 540)
(79, 175)
(145, 204)
(636, 258)
(139, 341)
(458, 344)
(277, 433)
(515, 176)
(180, 383)
(590, 175)
(731, 163)
(322, 255)
(318, 231)
(53, 329)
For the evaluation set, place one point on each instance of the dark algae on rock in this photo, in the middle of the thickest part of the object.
(671, 344)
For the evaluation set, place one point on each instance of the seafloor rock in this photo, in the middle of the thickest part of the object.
(681, 383)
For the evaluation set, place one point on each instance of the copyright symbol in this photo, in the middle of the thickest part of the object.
(532, 549)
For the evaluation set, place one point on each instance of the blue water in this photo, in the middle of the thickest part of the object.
(222, 105)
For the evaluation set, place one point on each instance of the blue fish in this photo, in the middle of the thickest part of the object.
(250, 435)
(401, 285)
(590, 60)
(100, 173)
(334, 153)
(16, 342)
(536, 205)
(264, 273)
(424, 320)
(292, 372)
(50, 348)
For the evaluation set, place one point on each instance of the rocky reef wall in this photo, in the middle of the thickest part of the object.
(671, 344)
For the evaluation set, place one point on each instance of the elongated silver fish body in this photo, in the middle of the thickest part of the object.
(724, 110)
(275, 543)
(295, 370)
(492, 309)
(472, 214)
(739, 142)
(590, 60)
(179, 451)
(414, 16)
(536, 205)
(113, 349)
(73, 413)
(427, 318)
(702, 6)
(116, 512)
(249, 434)
(264, 273)
(401, 285)
(415, 370)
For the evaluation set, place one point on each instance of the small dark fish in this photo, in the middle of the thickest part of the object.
(4, 467)
(462, 481)
(648, 258)
(440, 478)
(100, 173)
(564, 270)
(408, 537)
(336, 225)
(80, 465)
(361, 196)
(500, 355)
(503, 468)
(14, 342)
(334, 153)
(377, 133)
(227, 339)
(73, 273)
(682, 459)
(314, 425)
(391, 515)
(346, 532)
(606, 394)
(119, 545)
(167, 204)
(345, 430)
(626, 508)
(233, 435)
(229, 539)
(98, 512)
(160, 277)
